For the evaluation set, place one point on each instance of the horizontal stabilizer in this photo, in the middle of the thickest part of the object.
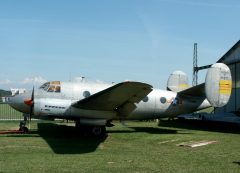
(217, 87)
(196, 91)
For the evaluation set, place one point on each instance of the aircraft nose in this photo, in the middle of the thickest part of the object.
(18, 102)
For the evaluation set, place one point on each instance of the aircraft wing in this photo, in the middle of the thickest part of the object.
(198, 91)
(120, 97)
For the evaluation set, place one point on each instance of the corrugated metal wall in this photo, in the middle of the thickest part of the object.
(234, 59)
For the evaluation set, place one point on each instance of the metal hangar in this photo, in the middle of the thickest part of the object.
(232, 59)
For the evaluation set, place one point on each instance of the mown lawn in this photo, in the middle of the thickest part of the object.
(139, 147)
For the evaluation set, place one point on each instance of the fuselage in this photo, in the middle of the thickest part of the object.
(55, 99)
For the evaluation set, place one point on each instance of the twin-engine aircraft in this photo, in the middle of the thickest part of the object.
(93, 105)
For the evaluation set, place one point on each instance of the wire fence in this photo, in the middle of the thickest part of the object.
(7, 113)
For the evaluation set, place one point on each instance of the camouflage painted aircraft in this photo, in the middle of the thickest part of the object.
(94, 106)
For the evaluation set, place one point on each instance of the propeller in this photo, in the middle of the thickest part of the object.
(32, 105)
(30, 102)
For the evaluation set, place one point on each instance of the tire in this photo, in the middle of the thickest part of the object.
(24, 129)
(99, 131)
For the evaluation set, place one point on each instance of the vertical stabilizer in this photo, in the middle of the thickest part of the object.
(218, 85)
(177, 81)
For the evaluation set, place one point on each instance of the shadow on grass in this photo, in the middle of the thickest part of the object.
(236, 162)
(67, 139)
(150, 130)
(222, 127)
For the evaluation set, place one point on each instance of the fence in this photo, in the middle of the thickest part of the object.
(8, 113)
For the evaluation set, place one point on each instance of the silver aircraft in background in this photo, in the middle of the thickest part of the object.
(93, 105)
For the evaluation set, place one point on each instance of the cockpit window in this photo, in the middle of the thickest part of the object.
(54, 86)
(45, 86)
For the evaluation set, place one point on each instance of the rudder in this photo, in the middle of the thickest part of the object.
(218, 85)
(177, 81)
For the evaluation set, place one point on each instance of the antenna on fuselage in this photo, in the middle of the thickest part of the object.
(79, 79)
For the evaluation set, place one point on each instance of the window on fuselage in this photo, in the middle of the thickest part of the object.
(163, 100)
(145, 99)
(54, 86)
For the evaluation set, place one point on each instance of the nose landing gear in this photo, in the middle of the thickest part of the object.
(22, 125)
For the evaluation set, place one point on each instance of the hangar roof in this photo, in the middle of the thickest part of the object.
(232, 56)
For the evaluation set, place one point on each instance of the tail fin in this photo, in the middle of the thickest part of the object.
(177, 81)
(218, 85)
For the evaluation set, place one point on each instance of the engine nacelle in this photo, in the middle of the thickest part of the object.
(218, 85)
(177, 81)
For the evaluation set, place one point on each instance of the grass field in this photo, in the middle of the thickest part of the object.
(140, 147)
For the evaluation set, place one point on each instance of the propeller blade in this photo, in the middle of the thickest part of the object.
(32, 104)
(32, 94)
(31, 108)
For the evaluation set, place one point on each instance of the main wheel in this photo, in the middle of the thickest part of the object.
(77, 124)
(99, 131)
(23, 129)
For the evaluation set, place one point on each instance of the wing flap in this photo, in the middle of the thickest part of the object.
(113, 97)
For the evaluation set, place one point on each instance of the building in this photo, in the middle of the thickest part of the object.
(232, 59)
(2, 99)
(16, 91)
(4, 96)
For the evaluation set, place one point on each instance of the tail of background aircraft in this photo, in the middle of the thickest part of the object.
(217, 87)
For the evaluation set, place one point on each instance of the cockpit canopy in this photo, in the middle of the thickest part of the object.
(54, 86)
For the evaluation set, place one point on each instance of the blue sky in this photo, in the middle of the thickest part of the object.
(111, 40)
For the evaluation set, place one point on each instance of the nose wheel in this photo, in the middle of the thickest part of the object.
(22, 125)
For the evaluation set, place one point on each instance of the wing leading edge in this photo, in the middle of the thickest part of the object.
(120, 97)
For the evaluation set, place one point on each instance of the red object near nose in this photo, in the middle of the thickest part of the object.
(28, 102)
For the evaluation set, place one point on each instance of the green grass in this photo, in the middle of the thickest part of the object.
(207, 110)
(140, 147)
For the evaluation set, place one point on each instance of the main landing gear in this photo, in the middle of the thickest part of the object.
(98, 131)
